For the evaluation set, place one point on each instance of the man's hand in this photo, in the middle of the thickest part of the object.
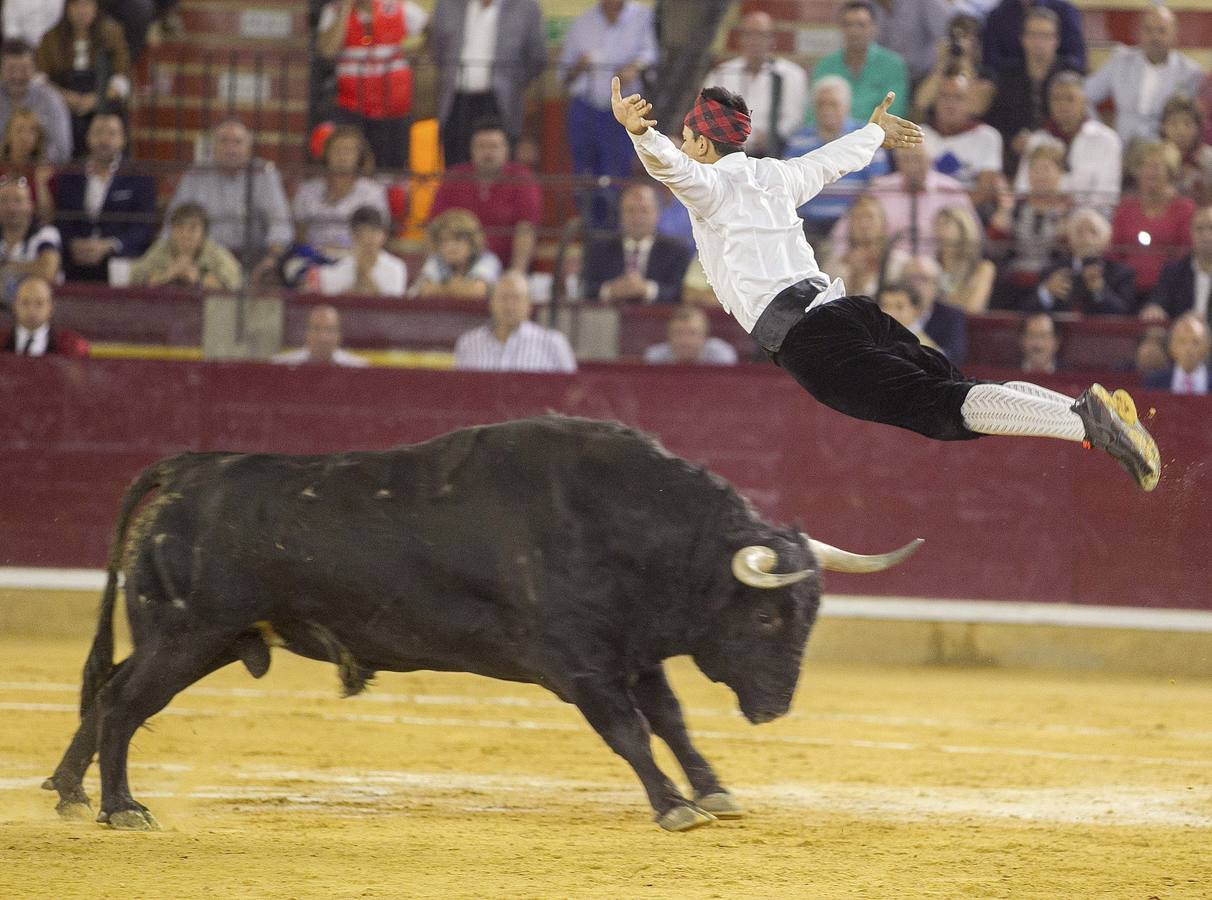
(630, 111)
(898, 132)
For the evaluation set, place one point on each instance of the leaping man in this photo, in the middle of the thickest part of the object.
(843, 349)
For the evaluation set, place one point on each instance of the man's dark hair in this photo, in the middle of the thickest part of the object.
(726, 98)
(852, 5)
(900, 287)
(487, 123)
(16, 47)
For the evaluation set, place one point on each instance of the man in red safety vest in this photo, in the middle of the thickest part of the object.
(367, 40)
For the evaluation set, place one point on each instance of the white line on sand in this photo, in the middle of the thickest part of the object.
(386, 792)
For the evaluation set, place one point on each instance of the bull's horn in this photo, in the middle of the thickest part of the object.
(752, 565)
(832, 559)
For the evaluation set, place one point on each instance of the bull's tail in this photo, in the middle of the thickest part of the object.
(100, 663)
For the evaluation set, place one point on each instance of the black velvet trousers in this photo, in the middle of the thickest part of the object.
(855, 358)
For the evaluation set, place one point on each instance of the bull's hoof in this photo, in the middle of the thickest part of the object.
(130, 820)
(74, 810)
(49, 784)
(722, 805)
(684, 818)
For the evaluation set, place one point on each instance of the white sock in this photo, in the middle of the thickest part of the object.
(1026, 387)
(1002, 409)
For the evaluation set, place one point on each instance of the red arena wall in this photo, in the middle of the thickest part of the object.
(1020, 519)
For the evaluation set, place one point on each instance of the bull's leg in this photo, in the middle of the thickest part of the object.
(660, 707)
(608, 707)
(152, 676)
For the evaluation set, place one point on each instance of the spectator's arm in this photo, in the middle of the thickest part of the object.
(58, 129)
(134, 235)
(574, 55)
(534, 51)
(224, 266)
(647, 53)
(523, 246)
(1100, 84)
(277, 210)
(331, 34)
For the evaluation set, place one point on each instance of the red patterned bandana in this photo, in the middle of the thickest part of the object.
(715, 121)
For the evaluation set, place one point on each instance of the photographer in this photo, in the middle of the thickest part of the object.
(957, 53)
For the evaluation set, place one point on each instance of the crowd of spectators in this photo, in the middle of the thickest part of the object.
(1045, 186)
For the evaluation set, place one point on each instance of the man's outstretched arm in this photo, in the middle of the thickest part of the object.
(694, 184)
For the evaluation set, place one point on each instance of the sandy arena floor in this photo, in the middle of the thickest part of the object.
(883, 783)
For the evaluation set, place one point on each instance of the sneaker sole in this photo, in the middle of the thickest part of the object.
(1121, 404)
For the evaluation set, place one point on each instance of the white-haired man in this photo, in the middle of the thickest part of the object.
(831, 119)
(1082, 278)
(844, 350)
(777, 87)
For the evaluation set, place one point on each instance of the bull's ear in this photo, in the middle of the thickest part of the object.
(832, 559)
(753, 566)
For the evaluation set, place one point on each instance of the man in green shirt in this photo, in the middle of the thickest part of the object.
(872, 70)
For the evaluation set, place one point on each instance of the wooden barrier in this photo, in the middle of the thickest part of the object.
(1007, 519)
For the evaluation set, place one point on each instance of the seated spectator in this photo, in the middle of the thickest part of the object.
(1185, 284)
(958, 52)
(106, 210)
(1021, 88)
(510, 342)
(637, 265)
(869, 257)
(1182, 127)
(959, 144)
(504, 196)
(1140, 79)
(1006, 22)
(914, 188)
(1093, 152)
(29, 20)
(366, 40)
(368, 269)
(20, 88)
(23, 154)
(941, 322)
(690, 342)
(871, 70)
(901, 301)
(187, 257)
(1189, 344)
(321, 343)
(775, 88)
(26, 248)
(831, 120)
(459, 266)
(1028, 226)
(1153, 225)
(966, 276)
(1039, 344)
(33, 333)
(1082, 278)
(323, 205)
(86, 58)
(257, 236)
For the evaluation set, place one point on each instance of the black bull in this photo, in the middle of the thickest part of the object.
(572, 554)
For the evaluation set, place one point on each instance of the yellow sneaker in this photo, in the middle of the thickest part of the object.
(1113, 425)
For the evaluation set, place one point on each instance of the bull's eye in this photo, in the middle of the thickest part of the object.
(768, 620)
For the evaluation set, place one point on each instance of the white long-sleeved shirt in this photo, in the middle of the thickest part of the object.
(743, 214)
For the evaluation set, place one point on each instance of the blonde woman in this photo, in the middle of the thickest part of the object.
(966, 277)
(868, 259)
(23, 154)
(1152, 226)
(459, 265)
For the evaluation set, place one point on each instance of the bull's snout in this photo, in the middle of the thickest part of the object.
(761, 716)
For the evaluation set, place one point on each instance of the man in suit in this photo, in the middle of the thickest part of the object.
(34, 335)
(637, 265)
(103, 212)
(1186, 283)
(946, 325)
(487, 52)
(1083, 278)
(1189, 344)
